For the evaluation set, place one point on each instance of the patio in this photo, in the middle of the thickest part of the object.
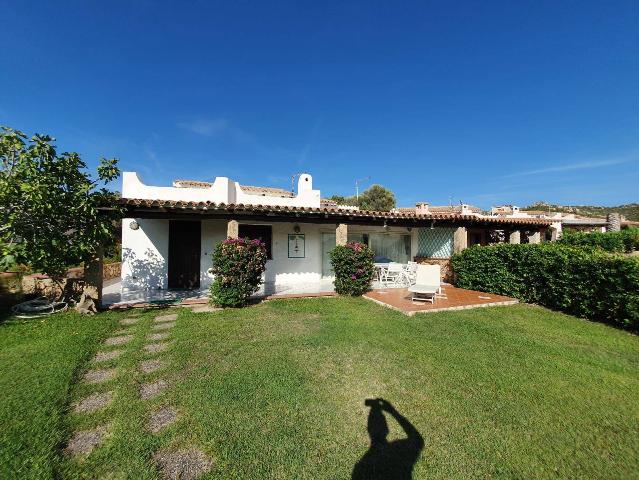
(451, 298)
(113, 297)
(396, 298)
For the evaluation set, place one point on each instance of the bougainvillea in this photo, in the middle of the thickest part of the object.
(238, 265)
(354, 268)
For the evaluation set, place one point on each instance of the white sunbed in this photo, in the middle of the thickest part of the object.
(427, 283)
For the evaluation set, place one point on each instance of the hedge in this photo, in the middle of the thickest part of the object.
(625, 240)
(585, 282)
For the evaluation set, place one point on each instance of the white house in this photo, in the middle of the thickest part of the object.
(169, 232)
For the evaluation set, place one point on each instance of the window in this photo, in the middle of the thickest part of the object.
(263, 232)
(389, 247)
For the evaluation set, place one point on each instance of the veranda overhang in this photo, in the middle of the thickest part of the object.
(185, 210)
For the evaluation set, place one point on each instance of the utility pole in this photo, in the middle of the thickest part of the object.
(357, 186)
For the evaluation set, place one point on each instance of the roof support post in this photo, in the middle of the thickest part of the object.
(460, 239)
(514, 236)
(535, 237)
(233, 229)
(341, 234)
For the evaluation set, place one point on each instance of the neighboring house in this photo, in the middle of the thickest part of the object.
(561, 220)
(169, 232)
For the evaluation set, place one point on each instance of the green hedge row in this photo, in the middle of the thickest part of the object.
(585, 282)
(626, 240)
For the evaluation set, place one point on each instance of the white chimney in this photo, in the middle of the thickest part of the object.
(465, 210)
(305, 183)
(421, 208)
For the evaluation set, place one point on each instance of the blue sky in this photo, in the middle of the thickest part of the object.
(480, 102)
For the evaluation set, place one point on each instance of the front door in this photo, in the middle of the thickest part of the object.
(184, 254)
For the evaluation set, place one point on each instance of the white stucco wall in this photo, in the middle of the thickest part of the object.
(213, 232)
(145, 254)
(223, 191)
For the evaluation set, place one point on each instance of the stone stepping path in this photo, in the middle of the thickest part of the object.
(166, 318)
(158, 336)
(156, 347)
(106, 356)
(121, 340)
(84, 441)
(182, 464)
(152, 389)
(164, 326)
(100, 375)
(93, 403)
(150, 366)
(186, 464)
(161, 419)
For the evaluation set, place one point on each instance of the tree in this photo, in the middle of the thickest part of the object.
(377, 198)
(53, 213)
(344, 200)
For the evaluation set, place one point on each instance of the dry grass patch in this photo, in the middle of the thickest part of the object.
(182, 464)
(83, 442)
(93, 403)
(152, 389)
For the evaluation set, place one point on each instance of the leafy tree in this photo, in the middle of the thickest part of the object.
(377, 198)
(341, 200)
(52, 211)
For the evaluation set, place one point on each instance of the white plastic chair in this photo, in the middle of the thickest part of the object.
(411, 272)
(427, 283)
(393, 274)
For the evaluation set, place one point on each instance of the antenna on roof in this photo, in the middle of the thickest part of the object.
(357, 186)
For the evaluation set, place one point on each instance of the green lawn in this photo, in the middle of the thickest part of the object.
(278, 390)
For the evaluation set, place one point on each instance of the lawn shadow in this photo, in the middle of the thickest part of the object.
(384, 459)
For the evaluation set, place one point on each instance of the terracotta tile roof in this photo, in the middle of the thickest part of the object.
(248, 189)
(440, 209)
(404, 209)
(267, 191)
(452, 209)
(192, 184)
(326, 211)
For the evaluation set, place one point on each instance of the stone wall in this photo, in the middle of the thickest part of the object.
(111, 270)
(14, 286)
(444, 263)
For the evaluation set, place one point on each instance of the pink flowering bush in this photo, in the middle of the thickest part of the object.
(238, 265)
(354, 268)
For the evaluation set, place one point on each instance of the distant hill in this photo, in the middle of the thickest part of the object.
(630, 211)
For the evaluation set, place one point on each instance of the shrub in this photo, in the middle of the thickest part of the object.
(625, 240)
(630, 239)
(586, 282)
(238, 265)
(354, 268)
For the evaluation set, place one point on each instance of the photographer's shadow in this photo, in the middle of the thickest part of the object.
(384, 459)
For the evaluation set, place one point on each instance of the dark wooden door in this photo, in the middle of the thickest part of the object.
(184, 254)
